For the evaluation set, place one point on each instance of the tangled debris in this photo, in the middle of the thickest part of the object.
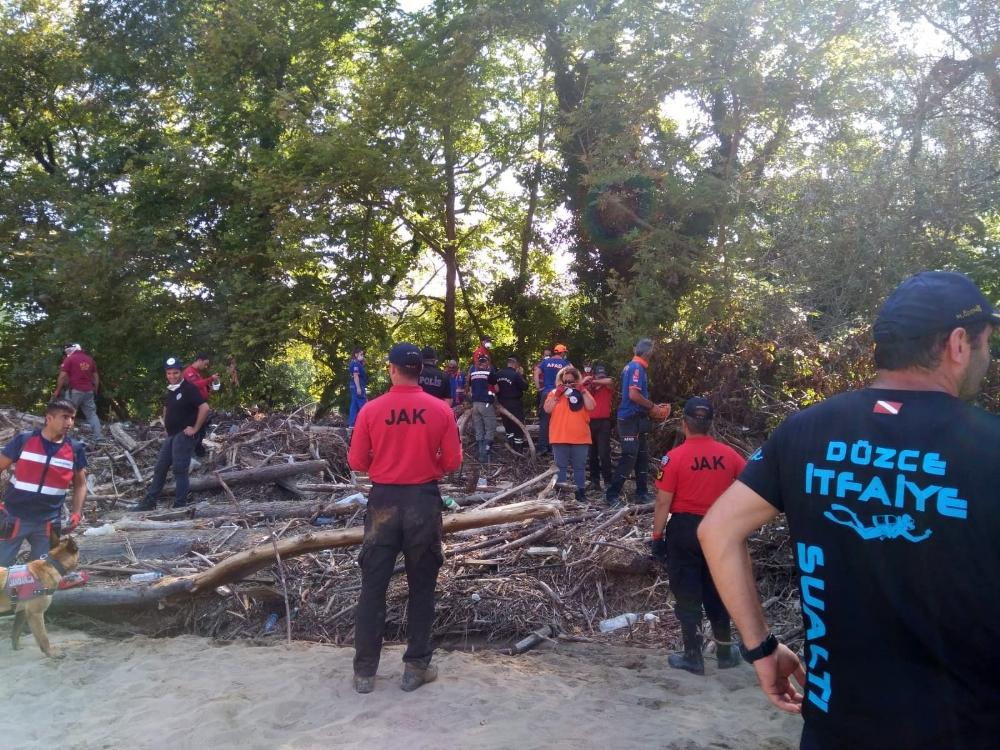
(552, 577)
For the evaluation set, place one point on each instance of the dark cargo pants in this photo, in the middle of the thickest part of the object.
(407, 519)
(690, 579)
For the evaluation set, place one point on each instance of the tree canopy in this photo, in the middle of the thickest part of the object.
(280, 181)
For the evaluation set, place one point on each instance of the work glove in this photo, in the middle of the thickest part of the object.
(658, 549)
(74, 521)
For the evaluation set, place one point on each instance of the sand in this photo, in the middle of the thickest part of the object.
(188, 692)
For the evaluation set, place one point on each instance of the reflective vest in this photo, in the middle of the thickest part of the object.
(39, 484)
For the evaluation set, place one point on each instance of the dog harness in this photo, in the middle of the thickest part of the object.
(22, 585)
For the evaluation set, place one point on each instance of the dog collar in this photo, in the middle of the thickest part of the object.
(55, 564)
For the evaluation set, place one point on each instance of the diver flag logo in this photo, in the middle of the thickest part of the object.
(887, 407)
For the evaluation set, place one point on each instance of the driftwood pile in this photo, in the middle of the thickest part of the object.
(269, 548)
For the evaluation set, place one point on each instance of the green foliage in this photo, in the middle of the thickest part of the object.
(284, 181)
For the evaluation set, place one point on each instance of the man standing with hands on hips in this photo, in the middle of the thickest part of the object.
(406, 440)
(892, 500)
(184, 413)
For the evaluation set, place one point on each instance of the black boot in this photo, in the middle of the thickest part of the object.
(581, 496)
(726, 652)
(691, 660)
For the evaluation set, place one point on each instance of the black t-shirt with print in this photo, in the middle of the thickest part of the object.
(181, 407)
(435, 382)
(893, 507)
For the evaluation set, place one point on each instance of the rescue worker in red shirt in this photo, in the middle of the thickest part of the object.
(406, 440)
(78, 376)
(46, 464)
(601, 387)
(193, 374)
(485, 348)
(691, 478)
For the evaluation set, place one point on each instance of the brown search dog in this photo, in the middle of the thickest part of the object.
(64, 554)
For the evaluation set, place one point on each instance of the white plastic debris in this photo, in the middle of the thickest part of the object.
(104, 530)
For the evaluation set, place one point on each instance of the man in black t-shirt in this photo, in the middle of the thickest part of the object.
(892, 496)
(511, 386)
(433, 381)
(184, 412)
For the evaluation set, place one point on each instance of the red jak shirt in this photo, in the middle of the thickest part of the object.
(697, 472)
(80, 368)
(405, 437)
(193, 376)
(602, 402)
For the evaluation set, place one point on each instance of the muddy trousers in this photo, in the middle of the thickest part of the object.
(691, 582)
(407, 519)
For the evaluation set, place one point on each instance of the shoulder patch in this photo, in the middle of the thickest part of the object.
(665, 460)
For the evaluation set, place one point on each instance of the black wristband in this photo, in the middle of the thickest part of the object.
(766, 648)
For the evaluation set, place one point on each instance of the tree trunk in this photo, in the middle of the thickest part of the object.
(450, 247)
(252, 476)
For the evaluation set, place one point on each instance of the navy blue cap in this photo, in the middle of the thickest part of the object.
(428, 354)
(407, 357)
(699, 408)
(600, 370)
(930, 302)
(172, 363)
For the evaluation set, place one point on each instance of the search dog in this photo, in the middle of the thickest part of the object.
(28, 589)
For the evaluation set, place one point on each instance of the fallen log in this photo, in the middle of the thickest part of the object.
(277, 510)
(125, 440)
(261, 475)
(523, 486)
(242, 564)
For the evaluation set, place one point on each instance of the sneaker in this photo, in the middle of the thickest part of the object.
(179, 505)
(364, 685)
(414, 677)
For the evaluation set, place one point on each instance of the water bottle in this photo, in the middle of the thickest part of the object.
(356, 499)
(270, 622)
(145, 577)
(626, 620)
(449, 502)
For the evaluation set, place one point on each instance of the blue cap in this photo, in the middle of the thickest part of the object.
(172, 363)
(930, 302)
(407, 357)
(699, 408)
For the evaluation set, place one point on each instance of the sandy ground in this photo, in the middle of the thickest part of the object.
(189, 692)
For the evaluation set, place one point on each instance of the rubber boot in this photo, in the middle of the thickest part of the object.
(726, 652)
(691, 660)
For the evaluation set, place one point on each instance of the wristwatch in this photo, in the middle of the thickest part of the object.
(768, 647)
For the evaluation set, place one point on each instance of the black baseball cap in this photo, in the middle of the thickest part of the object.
(699, 408)
(428, 354)
(172, 363)
(600, 370)
(406, 357)
(930, 302)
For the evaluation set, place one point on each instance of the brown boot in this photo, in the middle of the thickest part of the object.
(414, 677)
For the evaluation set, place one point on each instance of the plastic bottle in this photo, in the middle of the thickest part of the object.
(270, 622)
(145, 577)
(449, 502)
(357, 498)
(626, 620)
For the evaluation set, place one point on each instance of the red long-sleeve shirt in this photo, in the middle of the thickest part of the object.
(193, 376)
(405, 437)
